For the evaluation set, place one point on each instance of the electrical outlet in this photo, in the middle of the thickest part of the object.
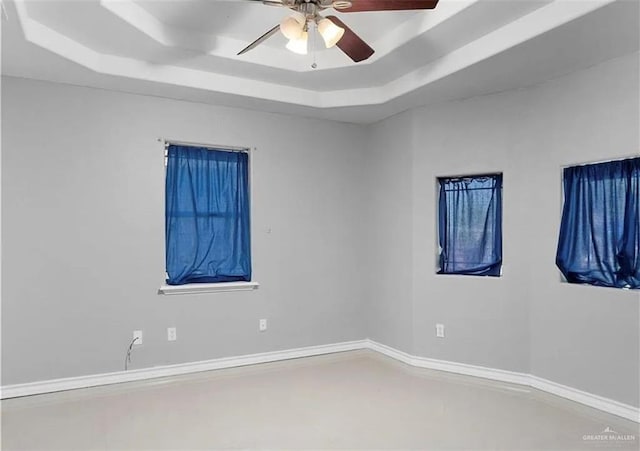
(440, 330)
(171, 334)
(262, 325)
(137, 334)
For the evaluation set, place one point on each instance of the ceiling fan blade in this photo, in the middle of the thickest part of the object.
(259, 41)
(286, 3)
(388, 5)
(351, 44)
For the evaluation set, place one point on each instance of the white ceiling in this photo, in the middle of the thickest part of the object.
(187, 49)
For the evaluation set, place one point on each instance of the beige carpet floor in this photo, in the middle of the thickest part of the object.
(352, 400)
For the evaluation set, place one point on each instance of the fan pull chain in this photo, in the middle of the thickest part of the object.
(313, 43)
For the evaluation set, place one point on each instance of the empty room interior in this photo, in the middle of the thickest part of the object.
(318, 224)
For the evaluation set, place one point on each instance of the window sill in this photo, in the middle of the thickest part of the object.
(195, 288)
(468, 275)
(627, 288)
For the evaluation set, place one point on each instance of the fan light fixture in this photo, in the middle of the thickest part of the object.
(330, 32)
(333, 30)
(292, 26)
(299, 45)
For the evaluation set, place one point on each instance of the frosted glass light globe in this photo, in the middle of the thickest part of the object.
(299, 45)
(293, 26)
(330, 32)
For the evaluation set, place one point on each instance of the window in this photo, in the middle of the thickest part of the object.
(207, 216)
(599, 241)
(470, 225)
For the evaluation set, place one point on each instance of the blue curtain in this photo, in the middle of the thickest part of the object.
(207, 216)
(470, 225)
(599, 240)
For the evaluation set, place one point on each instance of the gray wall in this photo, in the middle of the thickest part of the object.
(527, 320)
(389, 278)
(352, 247)
(83, 233)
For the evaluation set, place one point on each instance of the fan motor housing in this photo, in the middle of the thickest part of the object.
(301, 5)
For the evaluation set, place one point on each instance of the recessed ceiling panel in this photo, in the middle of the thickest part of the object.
(245, 19)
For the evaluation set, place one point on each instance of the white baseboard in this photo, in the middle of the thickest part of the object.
(452, 367)
(71, 383)
(598, 402)
(607, 405)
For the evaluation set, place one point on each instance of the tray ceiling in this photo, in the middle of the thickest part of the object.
(187, 49)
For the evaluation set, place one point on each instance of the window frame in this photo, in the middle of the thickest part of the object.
(216, 287)
(437, 223)
(563, 280)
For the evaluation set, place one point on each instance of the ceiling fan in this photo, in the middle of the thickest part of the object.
(306, 14)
